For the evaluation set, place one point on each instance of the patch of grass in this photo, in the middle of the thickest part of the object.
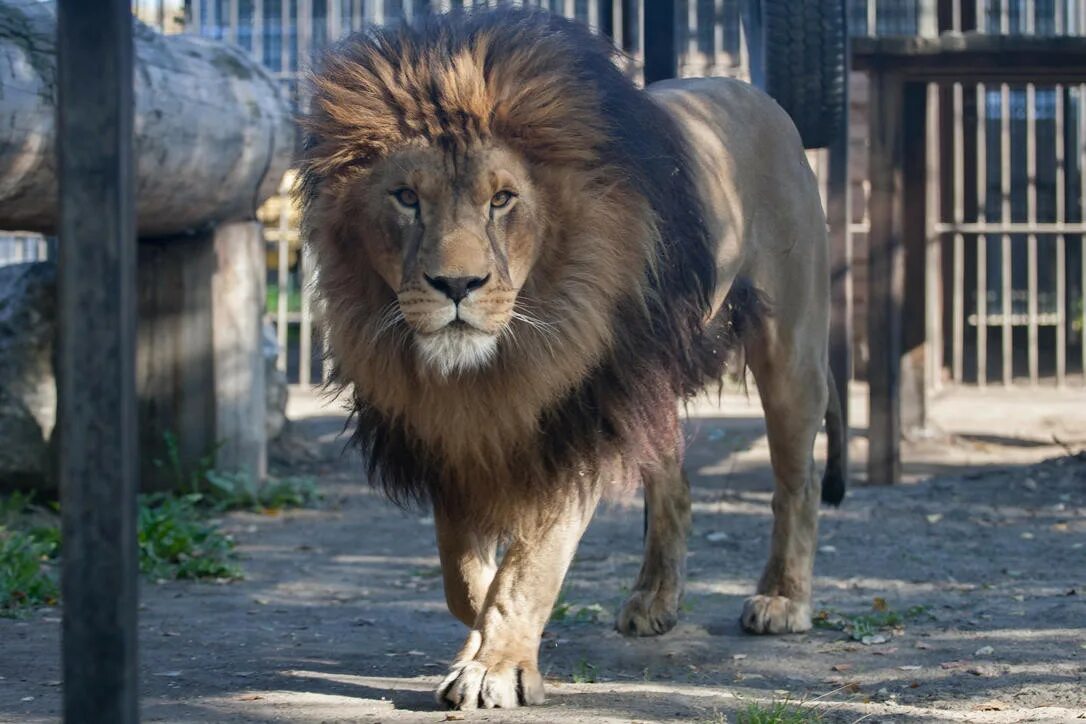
(27, 578)
(781, 711)
(881, 618)
(565, 611)
(584, 673)
(240, 492)
(177, 541)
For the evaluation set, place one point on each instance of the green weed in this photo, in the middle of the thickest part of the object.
(176, 540)
(863, 625)
(584, 673)
(782, 711)
(27, 578)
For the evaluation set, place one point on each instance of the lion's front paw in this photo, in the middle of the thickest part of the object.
(775, 615)
(648, 613)
(504, 685)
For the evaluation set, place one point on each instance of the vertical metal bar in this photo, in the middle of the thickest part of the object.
(594, 15)
(659, 47)
(692, 53)
(282, 309)
(215, 21)
(408, 10)
(233, 11)
(334, 19)
(197, 17)
(305, 332)
(618, 24)
(720, 62)
(1004, 17)
(872, 18)
(1005, 216)
(258, 31)
(1030, 11)
(1061, 242)
(959, 240)
(96, 423)
(284, 37)
(1031, 239)
(1082, 205)
(982, 239)
(305, 32)
(569, 9)
(375, 12)
(356, 13)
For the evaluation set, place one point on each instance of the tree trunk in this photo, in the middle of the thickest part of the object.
(213, 133)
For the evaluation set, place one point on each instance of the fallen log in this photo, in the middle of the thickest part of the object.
(213, 131)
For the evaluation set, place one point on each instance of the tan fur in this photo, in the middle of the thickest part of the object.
(580, 248)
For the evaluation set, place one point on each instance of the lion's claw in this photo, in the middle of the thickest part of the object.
(472, 685)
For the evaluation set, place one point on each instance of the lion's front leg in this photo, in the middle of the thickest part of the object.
(468, 565)
(498, 664)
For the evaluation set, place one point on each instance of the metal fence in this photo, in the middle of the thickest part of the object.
(17, 248)
(1011, 183)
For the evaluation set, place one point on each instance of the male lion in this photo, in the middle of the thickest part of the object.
(526, 262)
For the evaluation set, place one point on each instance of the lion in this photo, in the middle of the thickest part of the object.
(526, 263)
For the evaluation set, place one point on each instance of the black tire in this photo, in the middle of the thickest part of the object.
(802, 66)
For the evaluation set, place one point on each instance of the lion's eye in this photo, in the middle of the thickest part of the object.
(406, 197)
(501, 199)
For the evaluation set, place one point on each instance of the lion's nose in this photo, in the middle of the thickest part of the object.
(456, 288)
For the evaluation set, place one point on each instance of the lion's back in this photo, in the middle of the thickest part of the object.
(756, 185)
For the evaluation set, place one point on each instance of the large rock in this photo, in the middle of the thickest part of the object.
(28, 398)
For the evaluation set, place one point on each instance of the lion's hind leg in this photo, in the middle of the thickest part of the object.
(792, 382)
(653, 606)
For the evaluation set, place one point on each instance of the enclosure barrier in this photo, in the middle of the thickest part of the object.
(212, 137)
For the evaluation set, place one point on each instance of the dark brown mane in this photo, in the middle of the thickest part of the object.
(551, 90)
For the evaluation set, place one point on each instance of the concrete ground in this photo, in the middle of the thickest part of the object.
(340, 616)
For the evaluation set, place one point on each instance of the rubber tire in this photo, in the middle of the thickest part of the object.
(804, 44)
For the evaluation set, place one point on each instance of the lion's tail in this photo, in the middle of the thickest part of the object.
(833, 480)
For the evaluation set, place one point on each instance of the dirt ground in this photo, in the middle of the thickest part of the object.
(341, 616)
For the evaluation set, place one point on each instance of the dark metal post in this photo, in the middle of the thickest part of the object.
(96, 360)
(661, 57)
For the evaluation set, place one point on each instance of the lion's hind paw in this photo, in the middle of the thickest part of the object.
(775, 615)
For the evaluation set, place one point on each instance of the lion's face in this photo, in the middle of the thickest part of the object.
(454, 239)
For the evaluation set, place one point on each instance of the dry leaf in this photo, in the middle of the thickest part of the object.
(250, 697)
(879, 603)
(454, 717)
(841, 667)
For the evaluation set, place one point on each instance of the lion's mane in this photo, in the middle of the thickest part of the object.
(525, 427)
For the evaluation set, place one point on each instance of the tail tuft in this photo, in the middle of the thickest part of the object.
(833, 486)
(836, 475)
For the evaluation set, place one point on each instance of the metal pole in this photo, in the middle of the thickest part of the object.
(97, 327)
(661, 58)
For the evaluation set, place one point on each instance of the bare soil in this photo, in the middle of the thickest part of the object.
(341, 618)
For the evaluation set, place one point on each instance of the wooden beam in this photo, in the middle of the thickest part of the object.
(661, 56)
(914, 319)
(886, 277)
(96, 360)
(237, 310)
